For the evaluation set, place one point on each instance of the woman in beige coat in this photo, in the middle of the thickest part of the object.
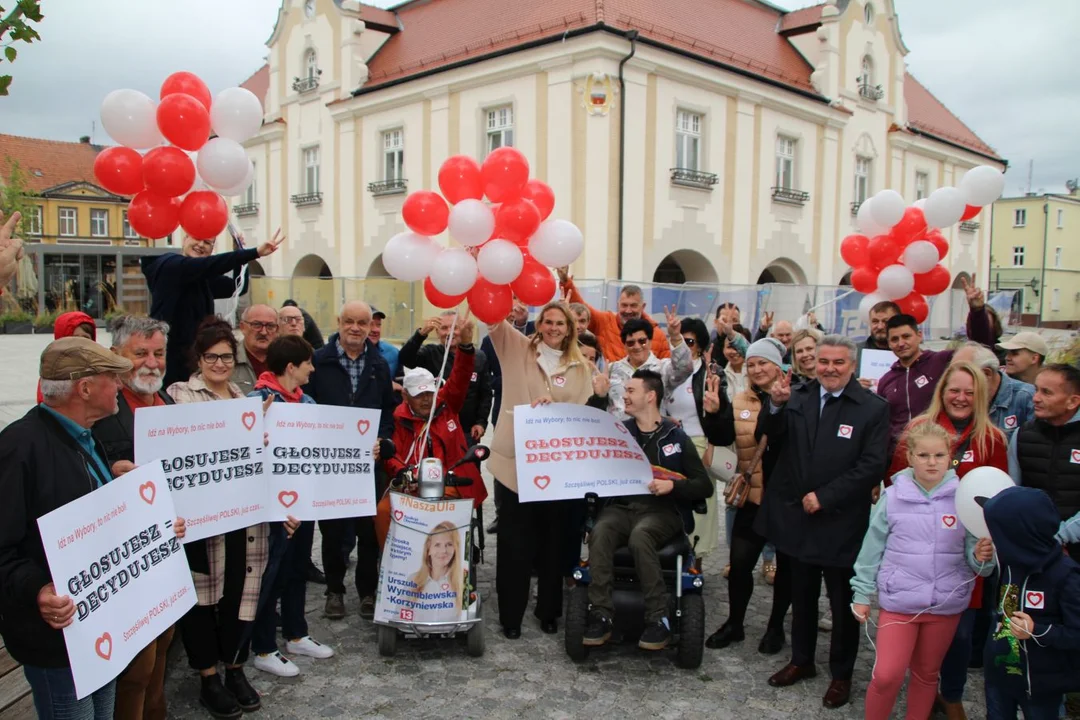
(546, 368)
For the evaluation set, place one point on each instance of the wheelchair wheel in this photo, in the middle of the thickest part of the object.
(692, 631)
(387, 637)
(475, 639)
(577, 619)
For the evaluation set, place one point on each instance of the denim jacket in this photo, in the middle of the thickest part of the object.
(1012, 407)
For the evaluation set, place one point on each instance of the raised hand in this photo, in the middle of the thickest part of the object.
(268, 248)
(432, 323)
(975, 297)
(767, 320)
(467, 329)
(564, 274)
(811, 320)
(601, 384)
(710, 399)
(11, 248)
(674, 325)
(780, 392)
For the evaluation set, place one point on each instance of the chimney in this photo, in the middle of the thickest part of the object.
(85, 140)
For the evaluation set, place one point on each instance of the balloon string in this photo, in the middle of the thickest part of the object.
(438, 385)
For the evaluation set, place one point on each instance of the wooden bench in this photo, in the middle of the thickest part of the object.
(15, 700)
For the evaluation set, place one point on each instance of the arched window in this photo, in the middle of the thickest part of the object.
(311, 64)
(867, 70)
(868, 14)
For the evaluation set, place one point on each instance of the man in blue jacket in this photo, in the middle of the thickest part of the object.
(349, 371)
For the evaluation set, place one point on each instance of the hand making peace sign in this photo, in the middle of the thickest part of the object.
(674, 325)
(975, 297)
(780, 392)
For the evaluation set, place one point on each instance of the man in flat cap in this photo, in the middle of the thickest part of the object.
(49, 458)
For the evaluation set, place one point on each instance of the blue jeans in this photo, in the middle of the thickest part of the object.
(290, 586)
(954, 668)
(1002, 704)
(54, 696)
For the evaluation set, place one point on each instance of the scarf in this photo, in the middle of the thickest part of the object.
(548, 358)
(269, 381)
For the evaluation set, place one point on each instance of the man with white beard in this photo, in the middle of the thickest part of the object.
(142, 340)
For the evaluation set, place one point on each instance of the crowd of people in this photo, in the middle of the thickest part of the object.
(809, 470)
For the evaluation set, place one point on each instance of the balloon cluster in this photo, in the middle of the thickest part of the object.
(505, 245)
(897, 255)
(181, 182)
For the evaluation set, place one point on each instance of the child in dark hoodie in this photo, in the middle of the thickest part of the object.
(1032, 657)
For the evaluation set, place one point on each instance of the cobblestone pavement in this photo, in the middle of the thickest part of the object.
(527, 678)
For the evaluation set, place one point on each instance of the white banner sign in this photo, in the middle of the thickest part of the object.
(424, 576)
(875, 363)
(319, 462)
(114, 553)
(565, 450)
(212, 457)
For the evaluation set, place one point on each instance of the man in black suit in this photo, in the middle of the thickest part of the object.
(833, 436)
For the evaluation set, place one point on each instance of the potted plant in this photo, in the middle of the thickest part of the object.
(18, 322)
(45, 322)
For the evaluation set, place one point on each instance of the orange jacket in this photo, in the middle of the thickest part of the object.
(605, 325)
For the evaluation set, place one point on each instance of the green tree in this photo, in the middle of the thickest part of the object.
(15, 27)
(16, 196)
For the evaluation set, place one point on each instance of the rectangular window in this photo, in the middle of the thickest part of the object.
(500, 128)
(249, 194)
(1055, 300)
(1057, 257)
(99, 223)
(311, 170)
(687, 140)
(393, 154)
(69, 224)
(1018, 256)
(922, 184)
(129, 232)
(785, 162)
(1020, 218)
(1061, 218)
(862, 179)
(34, 222)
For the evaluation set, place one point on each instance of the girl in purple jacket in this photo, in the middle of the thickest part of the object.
(919, 559)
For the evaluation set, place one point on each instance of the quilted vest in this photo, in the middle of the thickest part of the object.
(1050, 461)
(746, 407)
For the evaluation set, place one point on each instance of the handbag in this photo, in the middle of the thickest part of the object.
(739, 487)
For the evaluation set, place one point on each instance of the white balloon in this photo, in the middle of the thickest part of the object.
(944, 207)
(896, 282)
(557, 243)
(985, 481)
(864, 220)
(408, 256)
(453, 271)
(471, 222)
(868, 302)
(236, 114)
(243, 185)
(888, 208)
(920, 203)
(920, 256)
(222, 163)
(982, 185)
(500, 261)
(130, 118)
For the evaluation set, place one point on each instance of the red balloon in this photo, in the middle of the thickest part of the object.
(168, 171)
(489, 302)
(864, 279)
(915, 305)
(535, 285)
(883, 251)
(517, 221)
(119, 170)
(459, 179)
(188, 84)
(442, 300)
(541, 195)
(909, 227)
(204, 214)
(504, 174)
(934, 282)
(940, 243)
(855, 250)
(425, 212)
(184, 121)
(970, 211)
(152, 215)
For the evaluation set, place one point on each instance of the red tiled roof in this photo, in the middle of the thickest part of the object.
(259, 84)
(927, 115)
(800, 20)
(48, 163)
(379, 19)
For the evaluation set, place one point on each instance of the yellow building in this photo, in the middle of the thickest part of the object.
(1035, 249)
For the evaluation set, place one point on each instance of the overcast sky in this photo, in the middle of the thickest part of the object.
(1003, 67)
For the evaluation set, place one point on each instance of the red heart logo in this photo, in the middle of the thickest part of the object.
(1076, 456)
(949, 520)
(288, 498)
(622, 428)
(248, 419)
(446, 586)
(103, 646)
(1034, 599)
(845, 430)
(148, 492)
(363, 426)
(542, 481)
(398, 514)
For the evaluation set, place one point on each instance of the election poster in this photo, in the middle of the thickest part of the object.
(565, 450)
(319, 461)
(424, 577)
(115, 554)
(873, 364)
(212, 458)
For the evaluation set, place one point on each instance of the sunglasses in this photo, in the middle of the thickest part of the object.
(690, 341)
(634, 342)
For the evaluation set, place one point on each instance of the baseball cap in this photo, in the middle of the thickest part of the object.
(418, 381)
(1027, 341)
(377, 313)
(73, 358)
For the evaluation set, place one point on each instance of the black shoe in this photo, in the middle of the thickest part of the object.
(367, 607)
(335, 606)
(493, 528)
(315, 575)
(549, 627)
(237, 683)
(598, 630)
(512, 633)
(218, 701)
(772, 641)
(723, 637)
(655, 637)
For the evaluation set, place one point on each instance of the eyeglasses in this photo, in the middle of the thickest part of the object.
(267, 326)
(212, 358)
(691, 342)
(634, 342)
(290, 320)
(927, 457)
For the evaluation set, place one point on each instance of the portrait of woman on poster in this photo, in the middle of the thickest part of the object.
(440, 570)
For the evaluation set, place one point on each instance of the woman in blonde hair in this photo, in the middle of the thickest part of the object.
(545, 368)
(440, 568)
(804, 353)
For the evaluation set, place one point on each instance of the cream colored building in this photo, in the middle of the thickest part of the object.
(1036, 251)
(734, 149)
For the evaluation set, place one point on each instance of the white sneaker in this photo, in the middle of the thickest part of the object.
(276, 664)
(825, 622)
(307, 646)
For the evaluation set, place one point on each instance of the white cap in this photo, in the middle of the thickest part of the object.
(418, 381)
